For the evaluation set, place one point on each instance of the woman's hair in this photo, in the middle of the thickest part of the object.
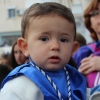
(92, 6)
(48, 8)
(12, 62)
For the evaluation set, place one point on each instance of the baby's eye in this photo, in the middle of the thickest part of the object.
(63, 40)
(44, 39)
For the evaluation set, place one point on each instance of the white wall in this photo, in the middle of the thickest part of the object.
(30, 2)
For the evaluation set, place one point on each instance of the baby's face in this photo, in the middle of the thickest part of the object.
(50, 41)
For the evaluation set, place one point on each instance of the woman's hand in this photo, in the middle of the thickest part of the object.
(89, 64)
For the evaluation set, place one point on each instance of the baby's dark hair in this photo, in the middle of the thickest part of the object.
(47, 8)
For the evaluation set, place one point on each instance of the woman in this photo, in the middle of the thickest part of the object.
(88, 57)
(92, 23)
(16, 57)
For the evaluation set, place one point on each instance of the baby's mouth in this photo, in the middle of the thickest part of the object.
(54, 59)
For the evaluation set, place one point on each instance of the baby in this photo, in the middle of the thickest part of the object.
(48, 39)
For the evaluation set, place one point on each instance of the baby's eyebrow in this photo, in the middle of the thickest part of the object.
(45, 32)
(65, 34)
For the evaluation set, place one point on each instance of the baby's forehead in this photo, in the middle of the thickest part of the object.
(45, 17)
(49, 18)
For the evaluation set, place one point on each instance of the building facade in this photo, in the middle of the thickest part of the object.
(12, 11)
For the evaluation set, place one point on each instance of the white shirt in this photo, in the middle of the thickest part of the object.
(20, 88)
(95, 96)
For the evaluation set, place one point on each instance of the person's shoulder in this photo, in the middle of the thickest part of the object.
(23, 87)
(20, 83)
(74, 72)
(14, 73)
(83, 47)
(18, 68)
(76, 78)
(71, 69)
(83, 51)
(95, 93)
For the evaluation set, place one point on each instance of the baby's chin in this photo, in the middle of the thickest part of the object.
(52, 69)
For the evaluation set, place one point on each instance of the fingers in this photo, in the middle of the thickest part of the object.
(91, 55)
(84, 68)
(87, 71)
(87, 58)
(89, 64)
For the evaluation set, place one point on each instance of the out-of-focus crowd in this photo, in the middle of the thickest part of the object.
(10, 57)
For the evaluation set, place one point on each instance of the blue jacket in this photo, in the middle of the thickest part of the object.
(78, 82)
(86, 51)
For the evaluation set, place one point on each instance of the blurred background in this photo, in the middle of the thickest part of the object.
(11, 12)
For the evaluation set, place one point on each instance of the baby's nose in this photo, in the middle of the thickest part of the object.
(55, 45)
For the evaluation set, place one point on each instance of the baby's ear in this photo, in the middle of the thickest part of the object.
(75, 47)
(23, 46)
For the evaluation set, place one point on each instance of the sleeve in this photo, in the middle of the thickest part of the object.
(20, 88)
(95, 96)
(82, 52)
(95, 93)
(8, 95)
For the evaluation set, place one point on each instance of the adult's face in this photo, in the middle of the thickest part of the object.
(19, 56)
(95, 21)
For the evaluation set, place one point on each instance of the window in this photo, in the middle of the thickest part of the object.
(11, 12)
(77, 8)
